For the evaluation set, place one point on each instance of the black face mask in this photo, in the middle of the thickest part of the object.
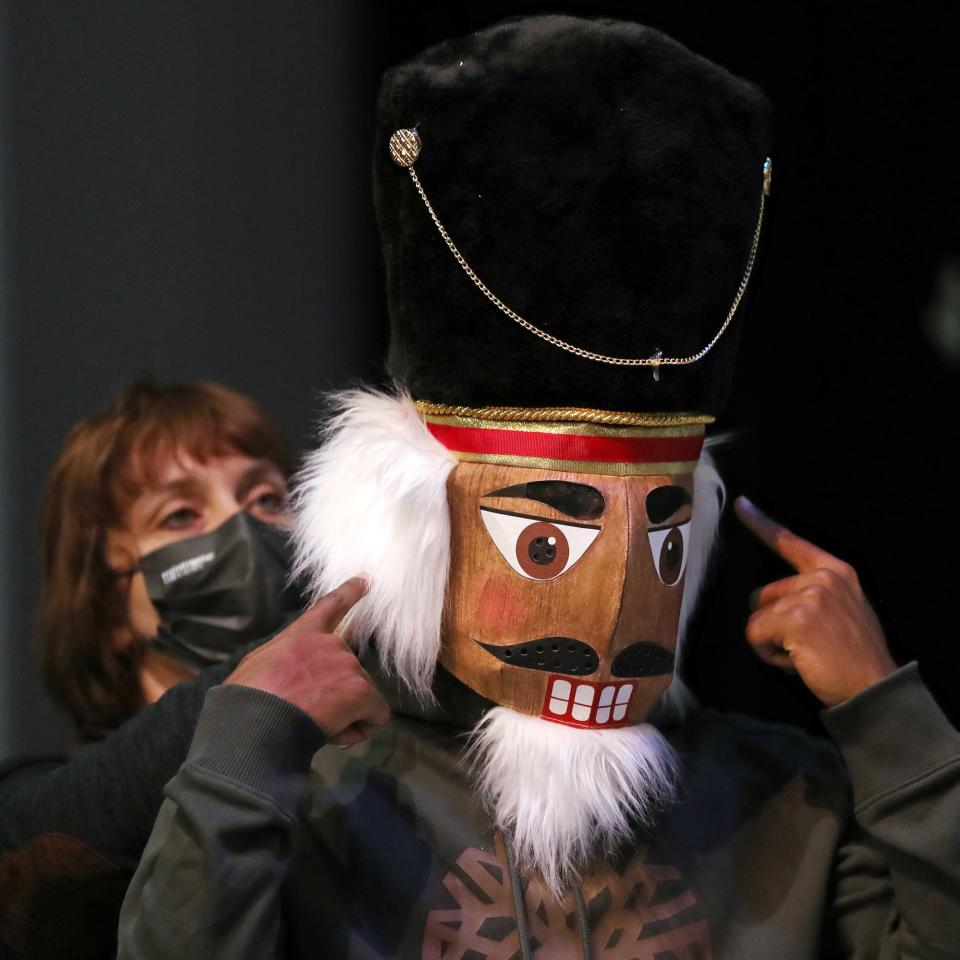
(220, 590)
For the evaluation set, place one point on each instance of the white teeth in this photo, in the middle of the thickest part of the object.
(584, 694)
(623, 701)
(583, 701)
(581, 708)
(559, 697)
(603, 704)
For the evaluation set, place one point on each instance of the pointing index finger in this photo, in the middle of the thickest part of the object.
(801, 554)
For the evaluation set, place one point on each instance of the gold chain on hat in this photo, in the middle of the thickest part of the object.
(405, 148)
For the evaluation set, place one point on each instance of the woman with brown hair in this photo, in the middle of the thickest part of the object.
(162, 566)
(161, 465)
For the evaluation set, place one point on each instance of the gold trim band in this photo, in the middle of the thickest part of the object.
(557, 415)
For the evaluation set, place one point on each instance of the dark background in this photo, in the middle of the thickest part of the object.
(184, 189)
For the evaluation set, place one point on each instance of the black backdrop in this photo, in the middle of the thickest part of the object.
(185, 190)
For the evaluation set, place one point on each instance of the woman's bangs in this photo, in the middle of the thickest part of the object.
(143, 456)
(199, 425)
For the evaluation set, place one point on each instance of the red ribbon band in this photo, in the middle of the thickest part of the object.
(564, 446)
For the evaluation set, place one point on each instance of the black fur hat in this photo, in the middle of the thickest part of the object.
(603, 181)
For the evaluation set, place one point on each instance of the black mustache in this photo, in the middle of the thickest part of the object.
(574, 657)
(555, 654)
(643, 659)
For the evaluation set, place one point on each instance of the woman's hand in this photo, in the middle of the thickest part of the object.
(312, 667)
(818, 623)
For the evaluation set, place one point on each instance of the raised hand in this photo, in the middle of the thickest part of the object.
(818, 623)
(311, 666)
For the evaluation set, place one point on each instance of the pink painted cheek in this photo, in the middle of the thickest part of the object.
(500, 606)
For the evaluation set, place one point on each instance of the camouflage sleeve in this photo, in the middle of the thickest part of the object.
(897, 879)
(210, 880)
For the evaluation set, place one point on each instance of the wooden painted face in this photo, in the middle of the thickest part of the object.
(565, 588)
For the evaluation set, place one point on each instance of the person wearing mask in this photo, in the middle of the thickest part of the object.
(163, 547)
(165, 559)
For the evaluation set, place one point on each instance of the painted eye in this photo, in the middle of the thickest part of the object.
(537, 549)
(669, 547)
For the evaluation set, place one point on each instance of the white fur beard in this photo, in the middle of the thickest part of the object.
(564, 796)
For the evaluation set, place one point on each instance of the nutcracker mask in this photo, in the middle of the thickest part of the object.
(565, 587)
(570, 212)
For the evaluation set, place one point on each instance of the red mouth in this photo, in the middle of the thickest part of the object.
(580, 703)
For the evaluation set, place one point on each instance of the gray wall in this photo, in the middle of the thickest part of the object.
(184, 192)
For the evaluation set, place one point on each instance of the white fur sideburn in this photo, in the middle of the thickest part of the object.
(372, 500)
(566, 796)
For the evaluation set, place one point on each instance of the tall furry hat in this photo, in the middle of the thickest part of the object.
(603, 182)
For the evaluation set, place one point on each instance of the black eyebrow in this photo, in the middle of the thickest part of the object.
(574, 499)
(664, 502)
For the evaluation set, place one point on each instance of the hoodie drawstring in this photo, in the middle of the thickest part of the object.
(520, 909)
(583, 924)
